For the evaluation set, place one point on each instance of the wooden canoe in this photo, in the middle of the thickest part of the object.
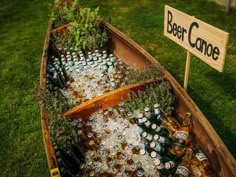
(221, 159)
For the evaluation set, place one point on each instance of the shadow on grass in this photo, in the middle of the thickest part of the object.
(226, 134)
(225, 80)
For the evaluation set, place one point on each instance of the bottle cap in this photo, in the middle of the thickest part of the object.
(154, 126)
(99, 135)
(112, 162)
(82, 166)
(102, 147)
(156, 105)
(79, 132)
(157, 162)
(115, 147)
(79, 125)
(120, 138)
(91, 118)
(123, 157)
(130, 146)
(140, 173)
(156, 137)
(92, 173)
(91, 153)
(110, 109)
(152, 144)
(146, 109)
(153, 154)
(91, 142)
(97, 169)
(133, 166)
(144, 119)
(140, 115)
(144, 134)
(142, 151)
(167, 165)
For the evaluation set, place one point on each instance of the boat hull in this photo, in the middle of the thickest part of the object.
(132, 54)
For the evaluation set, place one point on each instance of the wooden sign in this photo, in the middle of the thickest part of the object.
(201, 39)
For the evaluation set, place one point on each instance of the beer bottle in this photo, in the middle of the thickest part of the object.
(66, 173)
(146, 122)
(157, 112)
(170, 164)
(182, 137)
(198, 170)
(67, 165)
(147, 136)
(201, 157)
(82, 136)
(122, 141)
(183, 169)
(78, 152)
(73, 158)
(147, 113)
(161, 139)
(159, 130)
(155, 155)
(157, 147)
(140, 120)
(158, 164)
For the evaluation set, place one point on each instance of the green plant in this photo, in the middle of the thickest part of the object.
(155, 93)
(64, 12)
(149, 72)
(85, 32)
(62, 133)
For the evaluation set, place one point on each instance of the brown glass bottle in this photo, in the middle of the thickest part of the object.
(205, 163)
(183, 169)
(182, 137)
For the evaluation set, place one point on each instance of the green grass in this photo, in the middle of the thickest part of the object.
(22, 33)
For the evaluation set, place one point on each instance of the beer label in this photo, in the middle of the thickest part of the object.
(182, 135)
(157, 111)
(157, 147)
(162, 139)
(149, 137)
(158, 129)
(200, 156)
(196, 171)
(147, 123)
(182, 170)
(147, 115)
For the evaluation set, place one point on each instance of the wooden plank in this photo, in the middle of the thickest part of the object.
(203, 40)
(51, 157)
(112, 98)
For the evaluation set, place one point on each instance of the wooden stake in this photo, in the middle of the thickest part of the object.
(187, 69)
(228, 5)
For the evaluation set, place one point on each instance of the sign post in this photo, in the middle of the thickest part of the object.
(187, 69)
(206, 42)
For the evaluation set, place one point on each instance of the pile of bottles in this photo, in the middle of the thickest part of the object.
(80, 77)
(146, 143)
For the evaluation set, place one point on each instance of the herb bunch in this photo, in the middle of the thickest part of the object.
(84, 32)
(149, 72)
(64, 12)
(62, 132)
(155, 93)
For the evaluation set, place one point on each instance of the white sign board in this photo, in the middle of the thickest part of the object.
(201, 39)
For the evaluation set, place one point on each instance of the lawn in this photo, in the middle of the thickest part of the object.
(22, 32)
